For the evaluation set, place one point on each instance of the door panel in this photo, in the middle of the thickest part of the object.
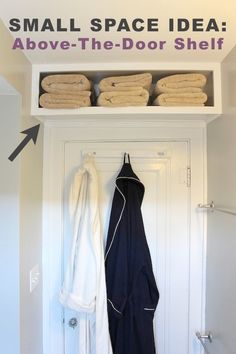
(162, 168)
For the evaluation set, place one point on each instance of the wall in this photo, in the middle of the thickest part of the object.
(221, 248)
(9, 222)
(15, 67)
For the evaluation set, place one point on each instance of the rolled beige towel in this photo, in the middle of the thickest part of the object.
(137, 97)
(181, 83)
(126, 82)
(181, 99)
(66, 83)
(50, 100)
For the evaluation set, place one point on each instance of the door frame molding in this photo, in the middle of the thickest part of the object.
(56, 135)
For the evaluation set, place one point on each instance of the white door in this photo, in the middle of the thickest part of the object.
(162, 167)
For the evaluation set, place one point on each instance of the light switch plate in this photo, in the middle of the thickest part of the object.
(34, 277)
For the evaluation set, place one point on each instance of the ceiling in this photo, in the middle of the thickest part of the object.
(84, 11)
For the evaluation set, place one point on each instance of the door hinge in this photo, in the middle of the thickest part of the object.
(188, 176)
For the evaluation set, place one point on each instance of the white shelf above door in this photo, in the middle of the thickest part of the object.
(95, 72)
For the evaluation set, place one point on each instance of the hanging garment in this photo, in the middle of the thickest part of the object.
(84, 288)
(131, 288)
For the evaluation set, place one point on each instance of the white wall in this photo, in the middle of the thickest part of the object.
(27, 173)
(221, 245)
(9, 222)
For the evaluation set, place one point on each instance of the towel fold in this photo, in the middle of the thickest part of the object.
(181, 99)
(181, 83)
(67, 83)
(50, 100)
(126, 82)
(138, 97)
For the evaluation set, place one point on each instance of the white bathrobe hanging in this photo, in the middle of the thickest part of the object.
(84, 288)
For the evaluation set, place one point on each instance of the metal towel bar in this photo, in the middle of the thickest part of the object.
(211, 206)
(202, 337)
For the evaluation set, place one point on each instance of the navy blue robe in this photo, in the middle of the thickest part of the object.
(131, 287)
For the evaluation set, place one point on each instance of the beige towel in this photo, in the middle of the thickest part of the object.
(181, 99)
(126, 83)
(137, 97)
(181, 83)
(67, 83)
(50, 100)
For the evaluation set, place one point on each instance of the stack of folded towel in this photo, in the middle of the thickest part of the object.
(123, 91)
(65, 91)
(181, 90)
